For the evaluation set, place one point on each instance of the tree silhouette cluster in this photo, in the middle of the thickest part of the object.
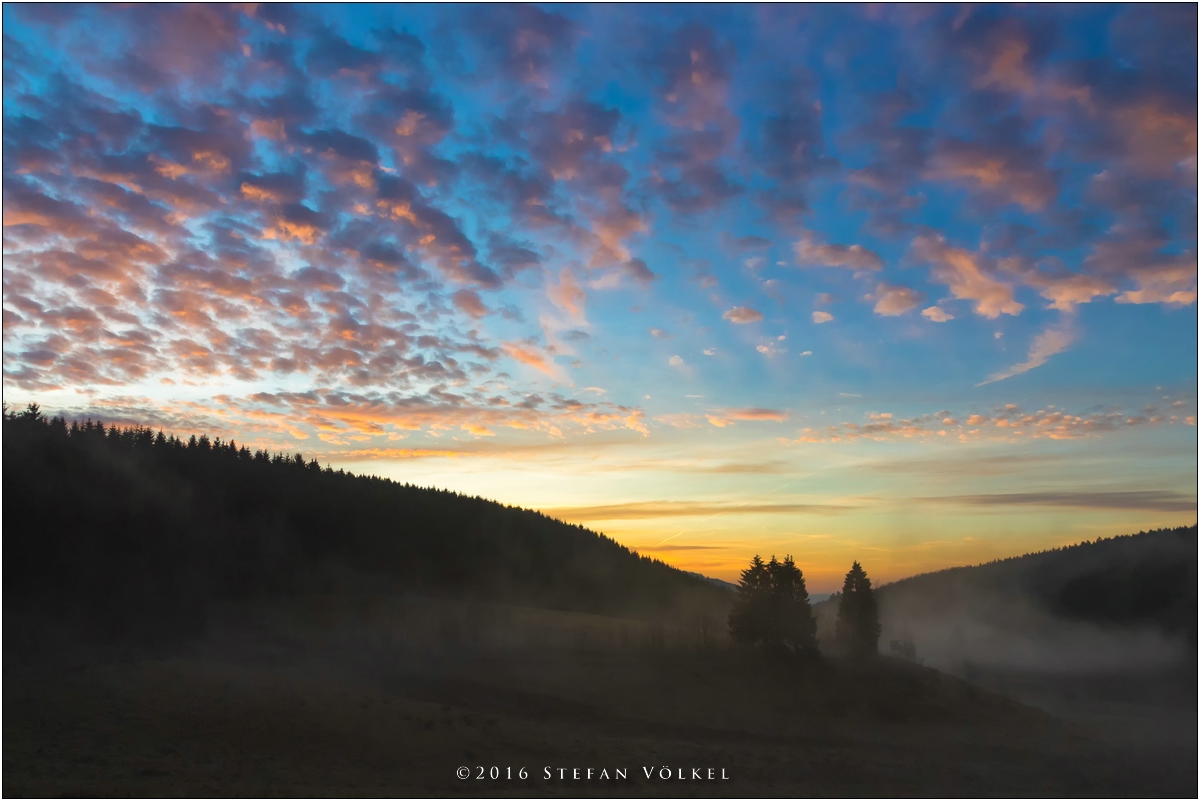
(772, 609)
(130, 532)
(858, 629)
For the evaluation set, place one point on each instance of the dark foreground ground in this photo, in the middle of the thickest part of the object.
(279, 702)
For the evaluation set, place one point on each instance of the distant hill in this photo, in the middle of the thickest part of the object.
(1144, 579)
(132, 533)
(1108, 604)
(716, 581)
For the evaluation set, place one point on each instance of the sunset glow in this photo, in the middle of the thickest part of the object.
(909, 285)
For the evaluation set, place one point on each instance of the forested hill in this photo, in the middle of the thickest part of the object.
(1145, 581)
(130, 529)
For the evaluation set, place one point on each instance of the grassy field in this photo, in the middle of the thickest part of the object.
(390, 698)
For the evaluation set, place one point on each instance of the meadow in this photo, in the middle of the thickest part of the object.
(390, 697)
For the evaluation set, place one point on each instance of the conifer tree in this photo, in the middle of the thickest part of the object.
(747, 619)
(797, 626)
(858, 616)
(772, 608)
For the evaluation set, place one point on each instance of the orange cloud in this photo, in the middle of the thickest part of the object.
(287, 230)
(754, 414)
(260, 194)
(211, 160)
(168, 169)
(528, 354)
(650, 510)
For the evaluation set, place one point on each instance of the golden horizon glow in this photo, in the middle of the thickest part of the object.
(922, 296)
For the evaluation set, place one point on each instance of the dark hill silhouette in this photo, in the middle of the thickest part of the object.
(1143, 579)
(133, 534)
(1111, 604)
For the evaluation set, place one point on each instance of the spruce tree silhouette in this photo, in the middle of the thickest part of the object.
(797, 626)
(772, 608)
(858, 626)
(748, 618)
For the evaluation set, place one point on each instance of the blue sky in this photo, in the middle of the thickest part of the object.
(913, 285)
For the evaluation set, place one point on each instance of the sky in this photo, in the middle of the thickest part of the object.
(912, 285)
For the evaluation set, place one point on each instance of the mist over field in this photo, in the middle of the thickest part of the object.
(1126, 603)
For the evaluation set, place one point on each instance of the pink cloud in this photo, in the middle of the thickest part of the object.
(1046, 344)
(749, 414)
(937, 314)
(567, 294)
(893, 301)
(1006, 423)
(967, 276)
(741, 315)
(468, 302)
(852, 257)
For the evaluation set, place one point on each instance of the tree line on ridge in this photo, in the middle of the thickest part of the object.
(132, 532)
